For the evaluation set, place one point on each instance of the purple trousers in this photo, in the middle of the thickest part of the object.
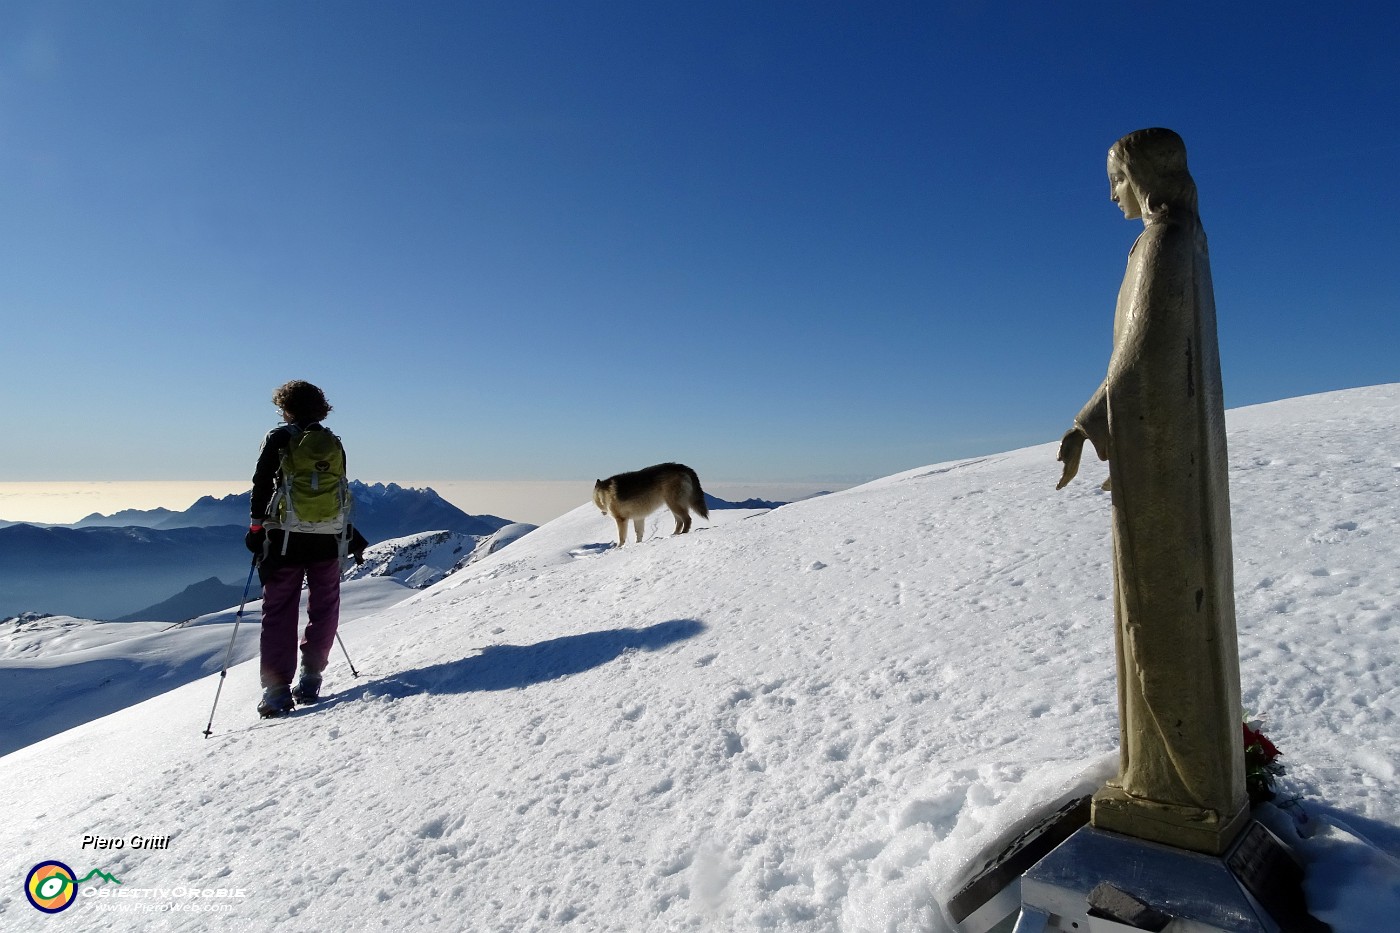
(281, 602)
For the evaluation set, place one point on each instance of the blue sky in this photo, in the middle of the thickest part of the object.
(774, 240)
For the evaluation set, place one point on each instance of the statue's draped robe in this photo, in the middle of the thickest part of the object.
(1160, 417)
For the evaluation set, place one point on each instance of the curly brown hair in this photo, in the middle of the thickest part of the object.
(302, 400)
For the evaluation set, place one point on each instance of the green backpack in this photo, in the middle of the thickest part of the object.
(312, 492)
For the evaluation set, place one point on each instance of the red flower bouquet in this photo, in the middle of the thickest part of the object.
(1261, 764)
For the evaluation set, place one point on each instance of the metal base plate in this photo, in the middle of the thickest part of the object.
(1200, 893)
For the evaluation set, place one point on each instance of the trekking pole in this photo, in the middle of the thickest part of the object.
(347, 655)
(209, 729)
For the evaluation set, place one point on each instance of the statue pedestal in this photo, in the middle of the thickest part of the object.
(1103, 882)
(1183, 827)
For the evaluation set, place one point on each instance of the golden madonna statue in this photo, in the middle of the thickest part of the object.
(1159, 421)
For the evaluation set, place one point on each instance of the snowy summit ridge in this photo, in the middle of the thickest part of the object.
(818, 718)
(420, 560)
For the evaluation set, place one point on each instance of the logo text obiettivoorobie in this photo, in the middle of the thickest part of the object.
(52, 887)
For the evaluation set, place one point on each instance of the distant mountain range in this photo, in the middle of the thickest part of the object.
(105, 573)
(114, 566)
(713, 503)
(381, 512)
(165, 565)
(209, 595)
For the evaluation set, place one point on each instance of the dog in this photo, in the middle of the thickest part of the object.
(634, 496)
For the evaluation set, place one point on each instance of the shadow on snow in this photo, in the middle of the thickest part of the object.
(511, 667)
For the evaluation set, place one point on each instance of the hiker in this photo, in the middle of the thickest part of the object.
(300, 526)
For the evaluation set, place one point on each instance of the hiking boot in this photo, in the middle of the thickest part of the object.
(276, 701)
(308, 688)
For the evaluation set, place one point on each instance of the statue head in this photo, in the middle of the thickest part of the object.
(1153, 161)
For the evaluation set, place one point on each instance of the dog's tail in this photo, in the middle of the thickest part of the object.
(697, 495)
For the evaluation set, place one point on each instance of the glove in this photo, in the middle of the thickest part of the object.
(255, 539)
(357, 545)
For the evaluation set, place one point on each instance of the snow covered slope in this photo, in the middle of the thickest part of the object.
(58, 672)
(811, 719)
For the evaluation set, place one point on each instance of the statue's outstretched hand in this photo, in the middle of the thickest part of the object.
(1071, 447)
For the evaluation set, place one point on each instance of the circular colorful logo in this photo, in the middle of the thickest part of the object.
(51, 887)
